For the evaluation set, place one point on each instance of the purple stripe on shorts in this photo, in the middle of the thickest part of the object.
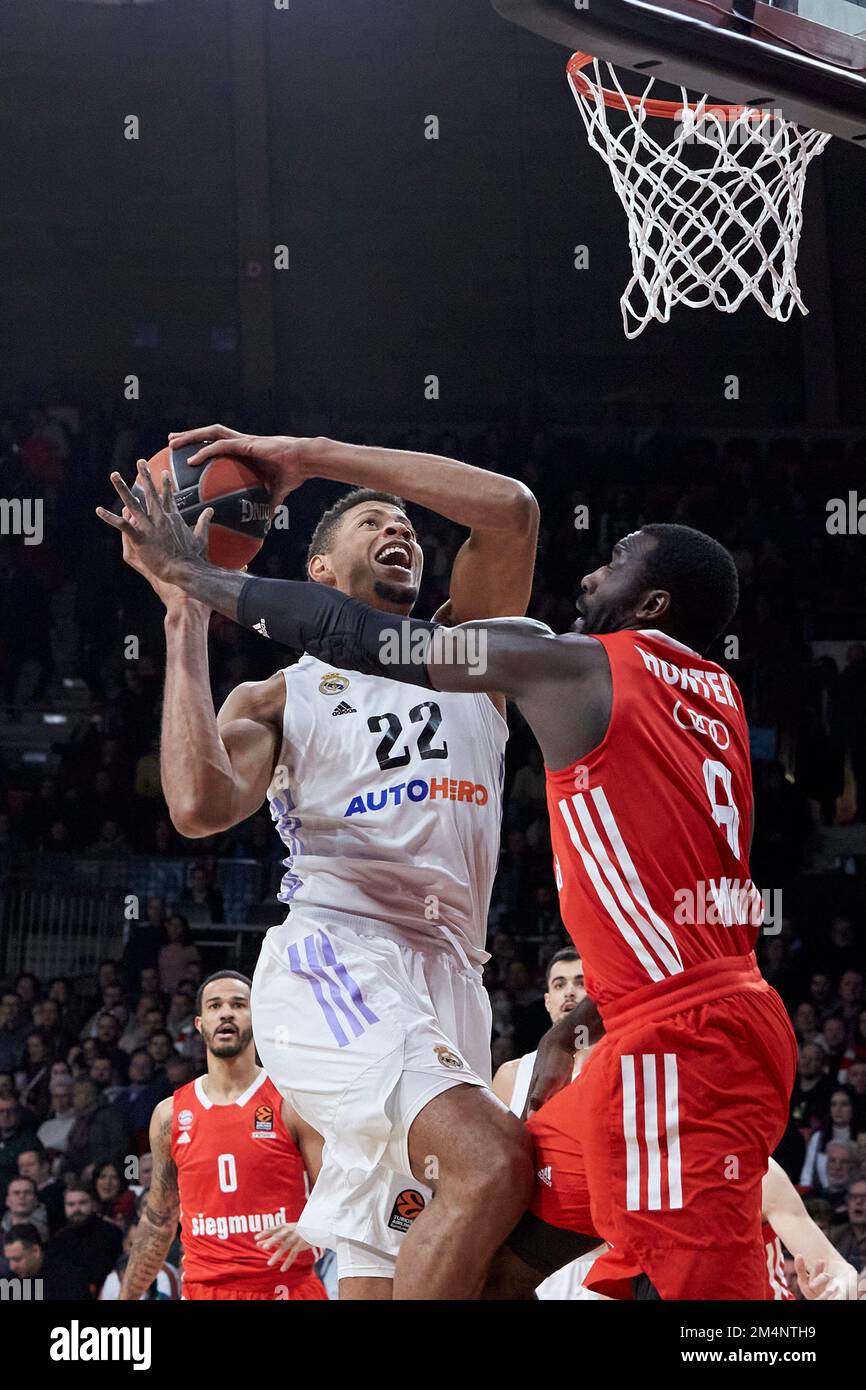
(330, 1017)
(354, 1023)
(329, 957)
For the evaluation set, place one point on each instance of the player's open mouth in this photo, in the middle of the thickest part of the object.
(395, 555)
(226, 1032)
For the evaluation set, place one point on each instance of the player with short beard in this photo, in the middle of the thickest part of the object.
(232, 1162)
(370, 1010)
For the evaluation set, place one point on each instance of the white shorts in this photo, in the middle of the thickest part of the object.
(359, 1032)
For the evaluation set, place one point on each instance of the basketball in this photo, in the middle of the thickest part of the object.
(241, 505)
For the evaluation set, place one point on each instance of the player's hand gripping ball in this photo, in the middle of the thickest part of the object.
(242, 509)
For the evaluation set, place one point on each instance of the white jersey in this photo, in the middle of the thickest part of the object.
(388, 798)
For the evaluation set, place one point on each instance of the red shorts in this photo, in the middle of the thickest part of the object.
(310, 1287)
(661, 1143)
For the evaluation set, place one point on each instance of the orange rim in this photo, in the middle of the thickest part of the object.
(666, 110)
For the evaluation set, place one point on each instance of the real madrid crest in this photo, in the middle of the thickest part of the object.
(447, 1058)
(333, 683)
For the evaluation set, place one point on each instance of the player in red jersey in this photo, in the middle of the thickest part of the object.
(231, 1162)
(660, 1145)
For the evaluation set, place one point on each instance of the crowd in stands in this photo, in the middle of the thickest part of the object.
(84, 1060)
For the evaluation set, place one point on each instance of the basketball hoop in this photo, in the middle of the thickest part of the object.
(716, 228)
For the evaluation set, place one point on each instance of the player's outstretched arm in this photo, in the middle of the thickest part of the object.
(156, 1229)
(562, 684)
(492, 573)
(822, 1273)
(214, 771)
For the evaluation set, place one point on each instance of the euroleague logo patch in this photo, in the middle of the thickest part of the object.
(333, 684)
(264, 1122)
(408, 1205)
(447, 1058)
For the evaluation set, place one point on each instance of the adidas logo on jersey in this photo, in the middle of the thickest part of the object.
(261, 627)
(343, 708)
(184, 1138)
(546, 1175)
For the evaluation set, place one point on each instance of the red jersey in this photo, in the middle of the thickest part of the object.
(239, 1172)
(779, 1286)
(650, 831)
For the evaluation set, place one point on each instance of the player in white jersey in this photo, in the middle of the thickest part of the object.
(565, 989)
(368, 1007)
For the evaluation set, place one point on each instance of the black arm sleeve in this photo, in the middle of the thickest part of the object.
(338, 630)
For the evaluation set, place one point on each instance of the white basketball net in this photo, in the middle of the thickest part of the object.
(715, 233)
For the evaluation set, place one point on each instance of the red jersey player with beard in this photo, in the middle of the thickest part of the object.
(232, 1162)
(660, 1146)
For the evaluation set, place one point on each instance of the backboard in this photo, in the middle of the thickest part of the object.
(803, 58)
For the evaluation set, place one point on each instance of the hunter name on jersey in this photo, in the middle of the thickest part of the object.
(712, 685)
(447, 788)
(239, 1225)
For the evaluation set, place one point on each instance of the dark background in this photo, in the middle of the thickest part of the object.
(408, 256)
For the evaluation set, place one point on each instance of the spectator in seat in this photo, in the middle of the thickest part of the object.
(135, 1034)
(144, 942)
(145, 1176)
(855, 1082)
(177, 954)
(114, 1201)
(838, 1126)
(48, 1018)
(87, 1247)
(841, 1168)
(136, 1102)
(159, 1049)
(834, 1036)
(33, 1078)
(14, 1028)
(180, 1019)
(15, 1137)
(805, 1015)
(166, 1285)
(821, 994)
(112, 994)
(99, 1133)
(810, 1096)
(34, 1164)
(54, 1279)
(108, 1037)
(851, 997)
(28, 991)
(23, 1205)
(843, 952)
(850, 1238)
(202, 904)
(105, 1074)
(53, 1134)
(149, 981)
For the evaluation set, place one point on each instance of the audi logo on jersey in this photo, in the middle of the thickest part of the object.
(702, 724)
